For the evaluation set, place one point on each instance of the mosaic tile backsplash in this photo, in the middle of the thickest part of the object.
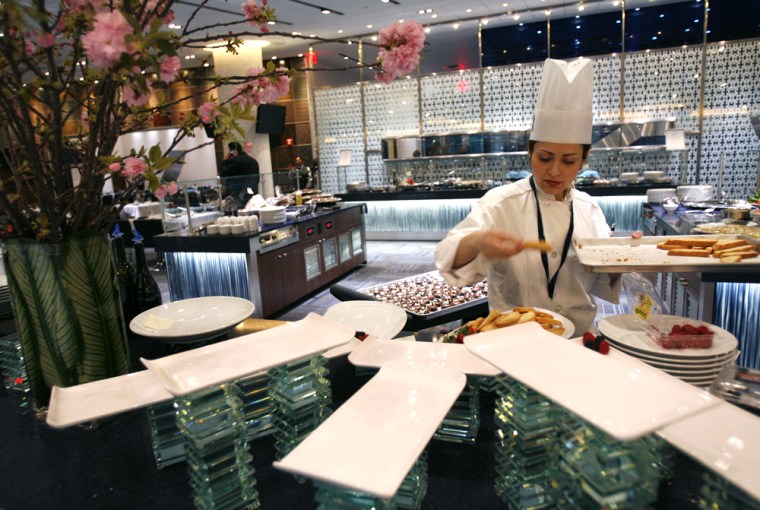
(661, 83)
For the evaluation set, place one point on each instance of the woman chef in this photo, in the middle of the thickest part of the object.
(491, 240)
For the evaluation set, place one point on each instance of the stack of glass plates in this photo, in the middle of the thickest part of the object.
(219, 464)
(716, 492)
(699, 367)
(600, 472)
(166, 440)
(409, 494)
(300, 397)
(462, 422)
(257, 405)
(526, 446)
(13, 370)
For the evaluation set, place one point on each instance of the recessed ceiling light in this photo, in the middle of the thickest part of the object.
(427, 30)
(421, 11)
(325, 11)
(312, 35)
(433, 16)
(484, 21)
(400, 21)
(271, 22)
(369, 26)
(374, 38)
(505, 4)
(282, 62)
(300, 55)
(340, 31)
(548, 12)
(468, 10)
(516, 17)
(455, 26)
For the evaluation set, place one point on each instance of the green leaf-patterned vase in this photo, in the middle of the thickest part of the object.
(66, 307)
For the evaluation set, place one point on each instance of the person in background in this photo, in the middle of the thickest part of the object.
(304, 177)
(520, 235)
(240, 172)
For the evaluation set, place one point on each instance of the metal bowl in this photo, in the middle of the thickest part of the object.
(736, 215)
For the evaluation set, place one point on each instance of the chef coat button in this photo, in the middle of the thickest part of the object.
(557, 308)
(555, 254)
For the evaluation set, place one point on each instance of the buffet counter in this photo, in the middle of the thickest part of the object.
(274, 266)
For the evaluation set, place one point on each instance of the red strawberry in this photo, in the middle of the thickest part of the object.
(588, 337)
(604, 347)
(704, 330)
(460, 338)
(676, 330)
(690, 330)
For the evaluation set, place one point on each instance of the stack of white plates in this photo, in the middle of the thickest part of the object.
(629, 177)
(653, 175)
(699, 367)
(272, 214)
(657, 195)
(700, 193)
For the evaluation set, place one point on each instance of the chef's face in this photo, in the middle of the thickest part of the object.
(555, 166)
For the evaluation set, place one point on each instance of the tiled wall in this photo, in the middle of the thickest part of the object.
(662, 83)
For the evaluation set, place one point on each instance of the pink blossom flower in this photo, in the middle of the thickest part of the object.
(46, 40)
(207, 112)
(135, 97)
(399, 54)
(134, 167)
(114, 167)
(248, 146)
(256, 15)
(169, 17)
(169, 69)
(29, 48)
(172, 188)
(165, 189)
(107, 40)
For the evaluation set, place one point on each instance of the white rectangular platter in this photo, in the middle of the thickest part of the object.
(372, 441)
(725, 439)
(87, 402)
(620, 395)
(190, 371)
(626, 255)
(375, 353)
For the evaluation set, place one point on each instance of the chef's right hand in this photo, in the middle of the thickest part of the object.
(498, 244)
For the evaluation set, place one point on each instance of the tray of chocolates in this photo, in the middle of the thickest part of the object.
(427, 295)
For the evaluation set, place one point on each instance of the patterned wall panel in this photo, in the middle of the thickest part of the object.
(451, 102)
(731, 88)
(391, 110)
(339, 126)
(509, 96)
(661, 83)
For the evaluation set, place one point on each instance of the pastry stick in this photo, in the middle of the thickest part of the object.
(538, 245)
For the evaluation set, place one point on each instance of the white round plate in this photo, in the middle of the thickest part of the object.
(566, 323)
(674, 362)
(192, 319)
(627, 330)
(689, 369)
(382, 320)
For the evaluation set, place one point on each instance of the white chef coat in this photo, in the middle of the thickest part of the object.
(520, 280)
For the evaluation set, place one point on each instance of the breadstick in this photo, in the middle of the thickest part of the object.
(737, 257)
(507, 319)
(692, 242)
(523, 309)
(538, 245)
(690, 252)
(666, 245)
(527, 317)
(725, 244)
(492, 316)
(738, 249)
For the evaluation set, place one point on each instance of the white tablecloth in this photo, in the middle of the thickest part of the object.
(141, 210)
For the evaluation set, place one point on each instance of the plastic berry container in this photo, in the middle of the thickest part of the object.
(680, 333)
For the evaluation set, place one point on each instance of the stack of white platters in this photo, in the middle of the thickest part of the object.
(699, 193)
(657, 195)
(699, 367)
(272, 214)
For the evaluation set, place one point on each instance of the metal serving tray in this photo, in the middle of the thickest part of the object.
(449, 311)
(626, 255)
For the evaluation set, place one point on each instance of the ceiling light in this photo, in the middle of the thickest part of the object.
(400, 21)
(455, 26)
(427, 30)
(433, 16)
(300, 55)
(484, 21)
(548, 12)
(312, 35)
(428, 10)
(282, 62)
(369, 26)
(385, 1)
(374, 38)
(505, 4)
(581, 7)
(516, 17)
(325, 11)
(421, 11)
(271, 22)
(340, 31)
(468, 10)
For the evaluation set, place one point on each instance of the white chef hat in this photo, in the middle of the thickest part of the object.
(563, 109)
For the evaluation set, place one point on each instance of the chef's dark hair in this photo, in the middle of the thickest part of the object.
(532, 145)
(235, 146)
